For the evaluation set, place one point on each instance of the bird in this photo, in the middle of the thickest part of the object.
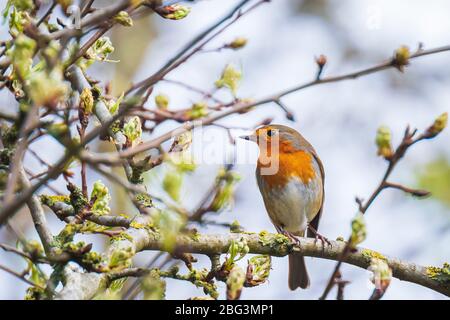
(290, 177)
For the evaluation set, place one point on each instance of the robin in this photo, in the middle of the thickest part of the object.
(290, 177)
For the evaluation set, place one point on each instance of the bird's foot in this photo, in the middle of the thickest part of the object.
(320, 237)
(289, 235)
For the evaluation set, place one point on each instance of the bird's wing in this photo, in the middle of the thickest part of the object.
(315, 222)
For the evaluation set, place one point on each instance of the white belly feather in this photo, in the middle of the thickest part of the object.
(294, 205)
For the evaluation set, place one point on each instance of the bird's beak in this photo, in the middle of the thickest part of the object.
(250, 137)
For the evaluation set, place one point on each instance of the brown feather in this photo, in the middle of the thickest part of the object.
(298, 276)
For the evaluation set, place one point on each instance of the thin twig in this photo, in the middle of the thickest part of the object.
(47, 13)
(9, 248)
(407, 141)
(184, 54)
(21, 277)
(241, 106)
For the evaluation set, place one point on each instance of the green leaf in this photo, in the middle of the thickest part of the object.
(435, 177)
(124, 19)
(153, 287)
(102, 197)
(132, 129)
(231, 77)
(359, 231)
(258, 269)
(162, 101)
(22, 55)
(169, 224)
(237, 251)
(172, 183)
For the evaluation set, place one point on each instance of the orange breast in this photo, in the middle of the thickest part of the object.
(297, 164)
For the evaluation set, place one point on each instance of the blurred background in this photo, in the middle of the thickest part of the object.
(339, 119)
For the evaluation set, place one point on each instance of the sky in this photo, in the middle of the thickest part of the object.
(340, 120)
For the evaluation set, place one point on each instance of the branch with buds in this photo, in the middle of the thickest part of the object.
(264, 244)
(384, 144)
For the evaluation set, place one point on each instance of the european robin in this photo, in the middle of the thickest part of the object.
(290, 177)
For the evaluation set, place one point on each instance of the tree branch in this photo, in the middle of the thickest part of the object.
(37, 214)
(63, 211)
(98, 16)
(275, 245)
(20, 276)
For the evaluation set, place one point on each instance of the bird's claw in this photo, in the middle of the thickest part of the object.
(320, 237)
(323, 239)
(289, 235)
(293, 238)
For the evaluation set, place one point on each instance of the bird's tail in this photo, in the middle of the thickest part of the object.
(298, 276)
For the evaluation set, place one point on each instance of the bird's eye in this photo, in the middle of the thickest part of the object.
(270, 133)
